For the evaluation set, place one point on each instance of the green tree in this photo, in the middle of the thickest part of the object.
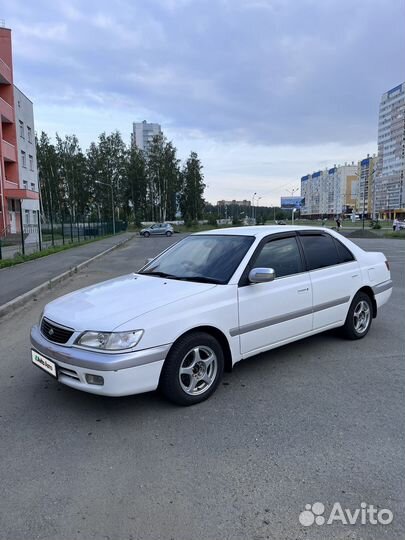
(72, 176)
(192, 191)
(109, 167)
(51, 188)
(136, 185)
(142, 186)
(163, 179)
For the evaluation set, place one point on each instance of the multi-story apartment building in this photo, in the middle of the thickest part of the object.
(330, 192)
(27, 156)
(14, 194)
(366, 190)
(389, 187)
(143, 133)
(234, 203)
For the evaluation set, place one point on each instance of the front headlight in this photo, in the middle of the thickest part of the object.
(110, 341)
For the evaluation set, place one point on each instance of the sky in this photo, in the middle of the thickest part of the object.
(265, 91)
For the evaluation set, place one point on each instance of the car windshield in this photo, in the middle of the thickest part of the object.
(204, 258)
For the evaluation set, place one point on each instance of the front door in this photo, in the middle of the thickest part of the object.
(12, 222)
(275, 312)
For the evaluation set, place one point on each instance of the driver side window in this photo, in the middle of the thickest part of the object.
(282, 255)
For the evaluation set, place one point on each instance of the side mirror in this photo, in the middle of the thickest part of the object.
(261, 275)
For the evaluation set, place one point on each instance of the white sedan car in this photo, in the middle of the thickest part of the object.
(205, 303)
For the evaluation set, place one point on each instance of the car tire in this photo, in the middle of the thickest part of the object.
(359, 317)
(169, 233)
(193, 369)
(146, 234)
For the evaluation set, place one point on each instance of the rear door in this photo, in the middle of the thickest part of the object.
(334, 274)
(270, 313)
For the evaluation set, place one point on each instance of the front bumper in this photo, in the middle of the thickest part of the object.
(124, 373)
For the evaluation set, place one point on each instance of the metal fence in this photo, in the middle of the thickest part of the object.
(35, 238)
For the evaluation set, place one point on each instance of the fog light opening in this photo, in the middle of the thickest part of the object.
(94, 379)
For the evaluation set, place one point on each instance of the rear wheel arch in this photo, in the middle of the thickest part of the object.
(369, 291)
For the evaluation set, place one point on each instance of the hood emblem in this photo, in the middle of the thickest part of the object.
(51, 332)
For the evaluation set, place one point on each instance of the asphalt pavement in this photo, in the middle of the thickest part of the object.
(21, 278)
(320, 420)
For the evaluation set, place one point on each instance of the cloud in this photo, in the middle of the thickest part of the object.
(265, 73)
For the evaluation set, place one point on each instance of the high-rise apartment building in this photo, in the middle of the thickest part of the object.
(143, 133)
(330, 192)
(389, 187)
(18, 191)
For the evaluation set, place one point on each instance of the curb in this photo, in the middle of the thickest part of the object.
(23, 298)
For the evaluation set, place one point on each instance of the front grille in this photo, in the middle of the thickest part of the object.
(55, 333)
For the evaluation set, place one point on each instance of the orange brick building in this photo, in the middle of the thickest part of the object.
(12, 194)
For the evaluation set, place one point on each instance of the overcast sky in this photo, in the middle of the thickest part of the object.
(264, 90)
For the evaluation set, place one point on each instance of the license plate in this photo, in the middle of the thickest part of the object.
(44, 363)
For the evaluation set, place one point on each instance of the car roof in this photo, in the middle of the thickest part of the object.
(261, 230)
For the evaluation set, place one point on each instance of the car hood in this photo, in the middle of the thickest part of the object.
(109, 304)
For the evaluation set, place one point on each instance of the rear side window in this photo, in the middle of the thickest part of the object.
(320, 250)
(345, 255)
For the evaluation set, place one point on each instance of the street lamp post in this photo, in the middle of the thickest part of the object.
(364, 196)
(253, 204)
(364, 202)
(257, 205)
(112, 201)
(372, 177)
(292, 191)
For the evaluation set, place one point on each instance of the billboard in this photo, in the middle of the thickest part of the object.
(292, 202)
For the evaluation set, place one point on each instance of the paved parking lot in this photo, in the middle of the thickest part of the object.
(319, 420)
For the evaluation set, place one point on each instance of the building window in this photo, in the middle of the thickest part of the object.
(27, 217)
(32, 186)
(21, 129)
(31, 162)
(25, 184)
(29, 134)
(23, 159)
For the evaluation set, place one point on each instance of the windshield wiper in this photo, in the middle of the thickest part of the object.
(159, 274)
(201, 279)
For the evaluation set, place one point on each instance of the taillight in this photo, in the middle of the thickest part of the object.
(387, 264)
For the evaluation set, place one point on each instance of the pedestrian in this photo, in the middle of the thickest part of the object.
(338, 223)
(395, 225)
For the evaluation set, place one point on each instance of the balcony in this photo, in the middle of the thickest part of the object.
(18, 193)
(5, 73)
(6, 112)
(9, 152)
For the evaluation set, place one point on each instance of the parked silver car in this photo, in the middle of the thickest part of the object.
(158, 228)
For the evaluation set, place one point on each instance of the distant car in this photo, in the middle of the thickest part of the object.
(158, 228)
(401, 225)
(207, 302)
(281, 222)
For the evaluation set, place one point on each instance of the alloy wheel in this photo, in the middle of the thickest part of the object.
(198, 370)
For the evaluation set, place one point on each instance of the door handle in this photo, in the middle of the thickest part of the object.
(303, 290)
